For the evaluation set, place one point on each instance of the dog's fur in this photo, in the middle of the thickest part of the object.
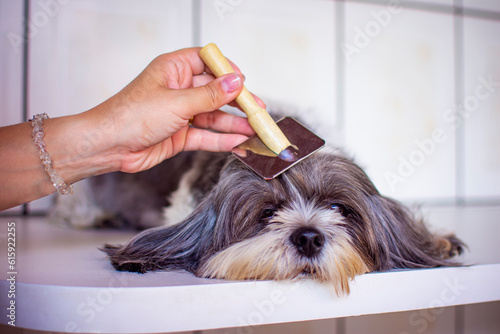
(322, 219)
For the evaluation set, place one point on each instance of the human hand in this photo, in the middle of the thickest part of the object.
(150, 116)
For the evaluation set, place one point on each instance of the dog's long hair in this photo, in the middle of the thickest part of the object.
(322, 219)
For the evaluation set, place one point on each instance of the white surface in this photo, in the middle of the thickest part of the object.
(65, 284)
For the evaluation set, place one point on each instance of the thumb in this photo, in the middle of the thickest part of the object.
(214, 95)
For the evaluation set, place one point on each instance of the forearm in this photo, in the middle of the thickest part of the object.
(142, 125)
(78, 145)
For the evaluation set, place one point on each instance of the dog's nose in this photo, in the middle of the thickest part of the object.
(307, 240)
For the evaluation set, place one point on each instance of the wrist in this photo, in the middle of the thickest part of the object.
(80, 147)
(57, 181)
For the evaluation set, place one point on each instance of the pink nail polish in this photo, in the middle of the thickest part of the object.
(231, 82)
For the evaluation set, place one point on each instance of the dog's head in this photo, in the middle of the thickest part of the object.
(322, 219)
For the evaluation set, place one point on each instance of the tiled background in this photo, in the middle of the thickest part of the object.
(411, 89)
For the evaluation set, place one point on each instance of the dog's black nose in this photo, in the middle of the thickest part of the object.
(308, 241)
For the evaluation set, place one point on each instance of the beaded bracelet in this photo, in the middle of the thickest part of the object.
(55, 178)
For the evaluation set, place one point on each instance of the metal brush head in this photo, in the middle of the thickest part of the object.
(268, 164)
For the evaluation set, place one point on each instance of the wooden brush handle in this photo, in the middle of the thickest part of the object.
(259, 119)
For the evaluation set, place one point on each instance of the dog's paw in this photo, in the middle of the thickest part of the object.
(450, 246)
(78, 210)
(122, 264)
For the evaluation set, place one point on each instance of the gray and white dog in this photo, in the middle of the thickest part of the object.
(322, 219)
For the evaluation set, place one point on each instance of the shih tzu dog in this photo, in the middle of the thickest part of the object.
(322, 219)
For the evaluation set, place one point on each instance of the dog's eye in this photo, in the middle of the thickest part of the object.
(337, 208)
(268, 213)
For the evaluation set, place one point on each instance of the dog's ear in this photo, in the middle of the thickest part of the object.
(400, 240)
(175, 247)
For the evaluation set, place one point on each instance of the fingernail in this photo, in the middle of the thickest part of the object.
(231, 83)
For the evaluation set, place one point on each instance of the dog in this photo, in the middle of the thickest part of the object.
(322, 219)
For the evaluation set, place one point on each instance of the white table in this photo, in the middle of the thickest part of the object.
(65, 284)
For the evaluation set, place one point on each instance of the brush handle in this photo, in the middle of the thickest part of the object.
(259, 119)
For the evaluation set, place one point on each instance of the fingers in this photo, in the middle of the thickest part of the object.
(236, 130)
(235, 68)
(199, 139)
(223, 122)
(211, 96)
(256, 98)
(217, 92)
(191, 57)
(203, 79)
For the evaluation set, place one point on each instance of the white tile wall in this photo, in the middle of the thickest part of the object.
(481, 101)
(90, 49)
(413, 3)
(285, 48)
(431, 2)
(395, 90)
(488, 5)
(11, 66)
(399, 81)
(87, 50)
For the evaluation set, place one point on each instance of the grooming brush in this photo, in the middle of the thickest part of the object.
(277, 146)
